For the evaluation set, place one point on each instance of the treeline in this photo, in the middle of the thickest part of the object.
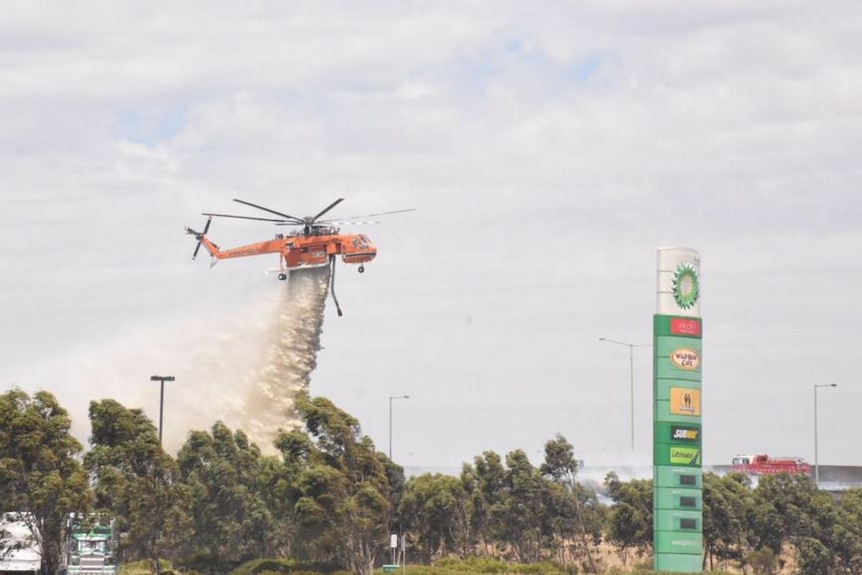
(329, 500)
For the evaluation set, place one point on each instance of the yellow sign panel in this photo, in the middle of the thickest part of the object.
(684, 401)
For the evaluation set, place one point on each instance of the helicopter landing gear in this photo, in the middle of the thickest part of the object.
(282, 276)
(361, 268)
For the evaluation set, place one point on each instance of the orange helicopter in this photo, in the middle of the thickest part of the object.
(315, 245)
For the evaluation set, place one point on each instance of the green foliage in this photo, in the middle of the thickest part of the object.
(231, 522)
(284, 567)
(40, 474)
(846, 534)
(261, 566)
(531, 514)
(133, 477)
(434, 511)
(199, 562)
(483, 483)
(520, 515)
(540, 568)
(342, 488)
(576, 514)
(763, 561)
(728, 526)
(329, 500)
(814, 557)
(630, 523)
(638, 571)
(487, 565)
(474, 565)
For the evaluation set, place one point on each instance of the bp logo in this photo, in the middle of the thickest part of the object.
(686, 285)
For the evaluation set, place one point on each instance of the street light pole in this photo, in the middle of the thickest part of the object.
(816, 461)
(631, 347)
(391, 397)
(162, 379)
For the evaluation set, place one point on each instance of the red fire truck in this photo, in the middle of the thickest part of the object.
(765, 465)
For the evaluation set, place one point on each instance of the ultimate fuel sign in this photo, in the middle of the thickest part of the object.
(678, 408)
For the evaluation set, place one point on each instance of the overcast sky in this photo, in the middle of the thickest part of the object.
(549, 150)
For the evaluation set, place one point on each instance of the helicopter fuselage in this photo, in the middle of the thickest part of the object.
(302, 251)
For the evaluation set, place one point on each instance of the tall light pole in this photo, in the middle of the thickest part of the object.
(631, 347)
(816, 462)
(391, 397)
(162, 379)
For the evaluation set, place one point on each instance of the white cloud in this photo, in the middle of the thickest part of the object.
(549, 153)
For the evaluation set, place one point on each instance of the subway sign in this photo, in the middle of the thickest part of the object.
(685, 433)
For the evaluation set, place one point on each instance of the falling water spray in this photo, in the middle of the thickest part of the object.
(290, 355)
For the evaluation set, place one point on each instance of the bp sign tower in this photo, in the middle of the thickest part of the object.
(677, 412)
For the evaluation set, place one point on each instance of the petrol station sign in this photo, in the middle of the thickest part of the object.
(678, 412)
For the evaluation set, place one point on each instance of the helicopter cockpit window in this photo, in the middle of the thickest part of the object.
(360, 241)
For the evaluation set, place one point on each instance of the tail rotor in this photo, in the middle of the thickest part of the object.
(199, 236)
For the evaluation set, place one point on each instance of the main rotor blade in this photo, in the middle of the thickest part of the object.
(347, 222)
(375, 215)
(285, 216)
(326, 209)
(248, 218)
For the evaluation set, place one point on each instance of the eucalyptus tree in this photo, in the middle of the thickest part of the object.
(520, 518)
(484, 483)
(797, 510)
(434, 509)
(846, 536)
(630, 521)
(305, 524)
(134, 479)
(729, 534)
(344, 489)
(576, 512)
(222, 472)
(827, 535)
(40, 475)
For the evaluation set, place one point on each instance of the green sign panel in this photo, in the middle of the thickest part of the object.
(688, 543)
(688, 477)
(677, 414)
(679, 499)
(679, 562)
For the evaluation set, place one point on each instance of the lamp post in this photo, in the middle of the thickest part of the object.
(162, 379)
(816, 462)
(391, 397)
(631, 347)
